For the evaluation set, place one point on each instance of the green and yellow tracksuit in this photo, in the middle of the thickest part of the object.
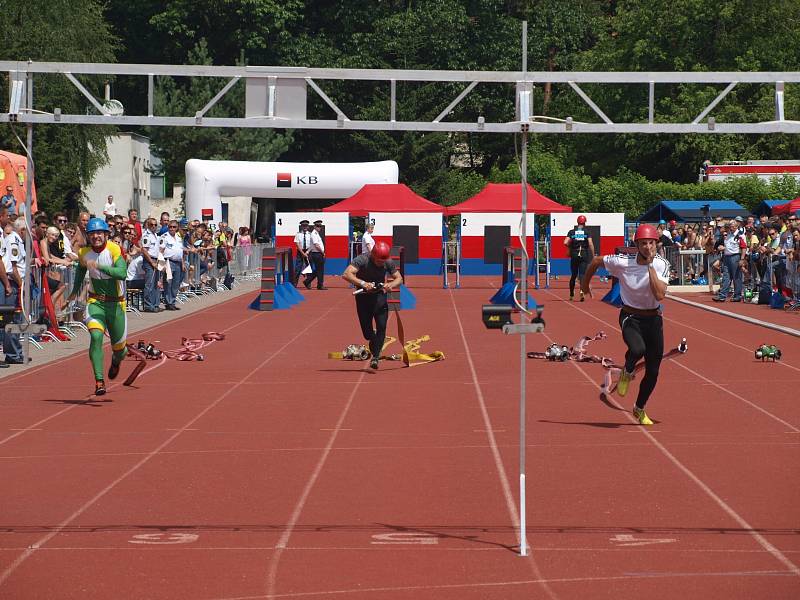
(106, 304)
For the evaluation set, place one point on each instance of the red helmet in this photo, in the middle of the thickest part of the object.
(381, 251)
(673, 223)
(581, 220)
(646, 232)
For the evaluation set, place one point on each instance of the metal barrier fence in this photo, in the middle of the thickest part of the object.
(203, 277)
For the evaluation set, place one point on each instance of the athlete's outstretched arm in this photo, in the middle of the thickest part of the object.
(596, 263)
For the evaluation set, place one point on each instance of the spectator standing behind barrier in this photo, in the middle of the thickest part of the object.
(367, 241)
(368, 273)
(317, 258)
(302, 242)
(110, 209)
(133, 221)
(80, 239)
(14, 263)
(581, 252)
(53, 255)
(163, 226)
(733, 248)
(8, 200)
(5, 284)
(150, 246)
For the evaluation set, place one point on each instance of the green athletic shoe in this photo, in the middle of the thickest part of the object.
(622, 384)
(641, 416)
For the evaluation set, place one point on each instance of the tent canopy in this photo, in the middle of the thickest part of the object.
(787, 208)
(13, 172)
(765, 208)
(384, 197)
(692, 210)
(507, 198)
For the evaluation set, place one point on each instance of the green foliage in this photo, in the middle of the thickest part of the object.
(177, 145)
(66, 156)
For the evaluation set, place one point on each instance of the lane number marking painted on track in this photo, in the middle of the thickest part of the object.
(164, 538)
(625, 539)
(404, 538)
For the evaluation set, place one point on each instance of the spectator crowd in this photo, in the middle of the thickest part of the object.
(749, 256)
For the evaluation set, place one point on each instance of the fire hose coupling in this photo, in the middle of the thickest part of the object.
(557, 352)
(768, 352)
(356, 352)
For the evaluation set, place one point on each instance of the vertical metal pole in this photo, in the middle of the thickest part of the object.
(523, 550)
(26, 281)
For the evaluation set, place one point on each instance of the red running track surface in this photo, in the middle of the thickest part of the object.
(270, 471)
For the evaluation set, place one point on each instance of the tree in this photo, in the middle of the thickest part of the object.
(66, 156)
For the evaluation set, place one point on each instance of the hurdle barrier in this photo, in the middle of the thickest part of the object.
(277, 280)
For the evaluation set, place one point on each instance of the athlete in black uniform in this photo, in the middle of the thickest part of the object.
(368, 273)
(581, 252)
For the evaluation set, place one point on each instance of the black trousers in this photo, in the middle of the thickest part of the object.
(373, 307)
(644, 337)
(577, 265)
(318, 264)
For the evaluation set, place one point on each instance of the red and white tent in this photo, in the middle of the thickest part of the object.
(385, 197)
(789, 208)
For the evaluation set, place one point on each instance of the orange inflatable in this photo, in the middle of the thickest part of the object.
(14, 173)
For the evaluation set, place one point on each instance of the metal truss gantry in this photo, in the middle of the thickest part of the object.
(276, 98)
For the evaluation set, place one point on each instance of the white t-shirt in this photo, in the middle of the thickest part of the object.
(135, 270)
(634, 279)
(110, 209)
(367, 241)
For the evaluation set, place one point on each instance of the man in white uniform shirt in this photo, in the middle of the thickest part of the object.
(14, 264)
(302, 242)
(172, 248)
(367, 241)
(317, 257)
(643, 280)
(150, 247)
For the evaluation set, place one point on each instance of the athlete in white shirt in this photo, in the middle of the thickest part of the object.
(643, 279)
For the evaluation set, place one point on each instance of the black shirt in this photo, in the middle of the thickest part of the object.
(579, 243)
(367, 270)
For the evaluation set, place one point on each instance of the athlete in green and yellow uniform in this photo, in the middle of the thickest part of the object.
(107, 270)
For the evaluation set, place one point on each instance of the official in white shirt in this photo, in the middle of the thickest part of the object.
(172, 247)
(367, 242)
(14, 263)
(317, 257)
(150, 249)
(643, 280)
(302, 242)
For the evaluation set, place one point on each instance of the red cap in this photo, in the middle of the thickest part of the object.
(673, 223)
(581, 220)
(646, 232)
(381, 251)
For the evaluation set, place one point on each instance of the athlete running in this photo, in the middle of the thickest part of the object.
(107, 270)
(581, 251)
(643, 279)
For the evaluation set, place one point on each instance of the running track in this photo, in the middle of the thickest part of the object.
(271, 471)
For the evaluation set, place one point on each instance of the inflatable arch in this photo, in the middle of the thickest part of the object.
(207, 180)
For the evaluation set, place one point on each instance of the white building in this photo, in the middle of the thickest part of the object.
(127, 177)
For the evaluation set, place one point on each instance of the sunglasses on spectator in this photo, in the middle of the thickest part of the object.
(62, 220)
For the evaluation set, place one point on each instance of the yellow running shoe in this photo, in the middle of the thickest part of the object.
(641, 416)
(622, 384)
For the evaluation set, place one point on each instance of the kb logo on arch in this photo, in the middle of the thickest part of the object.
(285, 180)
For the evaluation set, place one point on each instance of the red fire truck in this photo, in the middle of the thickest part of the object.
(763, 169)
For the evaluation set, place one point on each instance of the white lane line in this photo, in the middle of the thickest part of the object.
(283, 542)
(730, 343)
(498, 461)
(628, 577)
(733, 315)
(777, 554)
(61, 526)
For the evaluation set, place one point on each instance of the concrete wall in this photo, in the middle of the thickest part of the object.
(125, 177)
